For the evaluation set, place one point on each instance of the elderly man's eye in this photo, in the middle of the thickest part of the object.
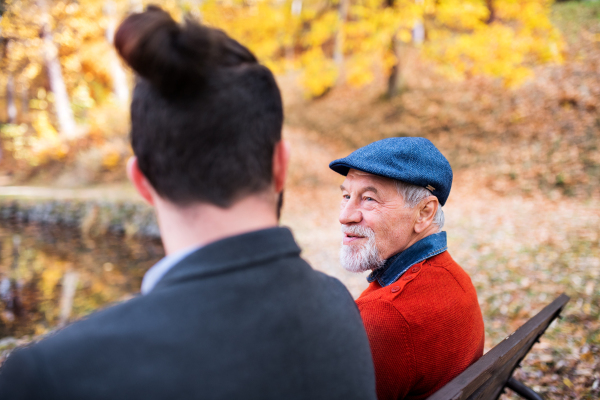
(346, 196)
(369, 199)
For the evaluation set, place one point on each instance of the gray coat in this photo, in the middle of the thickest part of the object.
(241, 318)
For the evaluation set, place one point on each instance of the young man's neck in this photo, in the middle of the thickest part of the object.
(201, 223)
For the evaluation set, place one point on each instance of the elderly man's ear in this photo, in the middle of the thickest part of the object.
(428, 209)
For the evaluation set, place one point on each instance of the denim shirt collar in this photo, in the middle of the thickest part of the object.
(398, 264)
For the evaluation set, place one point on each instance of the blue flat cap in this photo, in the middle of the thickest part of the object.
(412, 160)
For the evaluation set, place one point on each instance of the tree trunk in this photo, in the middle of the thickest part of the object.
(394, 79)
(62, 104)
(418, 31)
(296, 9)
(119, 78)
(289, 55)
(24, 95)
(492, 10)
(69, 286)
(338, 52)
(11, 106)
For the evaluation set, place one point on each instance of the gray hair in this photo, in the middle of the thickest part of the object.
(413, 195)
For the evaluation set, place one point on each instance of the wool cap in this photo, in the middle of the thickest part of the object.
(413, 160)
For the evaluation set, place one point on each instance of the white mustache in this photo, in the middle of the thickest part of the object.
(358, 230)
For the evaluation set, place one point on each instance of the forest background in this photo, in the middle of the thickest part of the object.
(508, 90)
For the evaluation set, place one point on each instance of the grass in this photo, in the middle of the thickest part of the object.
(571, 16)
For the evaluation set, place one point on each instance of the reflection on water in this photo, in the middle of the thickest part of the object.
(50, 275)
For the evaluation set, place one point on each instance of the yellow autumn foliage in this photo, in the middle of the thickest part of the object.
(320, 73)
(520, 35)
(360, 71)
(329, 42)
(48, 143)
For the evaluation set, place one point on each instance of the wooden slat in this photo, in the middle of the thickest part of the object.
(486, 378)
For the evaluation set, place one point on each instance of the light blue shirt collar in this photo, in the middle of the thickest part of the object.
(158, 270)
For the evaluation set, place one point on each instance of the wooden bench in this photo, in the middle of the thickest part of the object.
(487, 378)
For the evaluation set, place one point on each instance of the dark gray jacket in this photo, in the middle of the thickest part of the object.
(241, 318)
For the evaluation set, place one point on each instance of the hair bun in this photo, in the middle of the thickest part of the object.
(175, 57)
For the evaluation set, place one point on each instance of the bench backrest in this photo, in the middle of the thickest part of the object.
(486, 378)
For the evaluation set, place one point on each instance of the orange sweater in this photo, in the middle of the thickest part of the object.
(424, 329)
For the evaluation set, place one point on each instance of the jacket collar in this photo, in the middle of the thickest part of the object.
(398, 264)
(236, 252)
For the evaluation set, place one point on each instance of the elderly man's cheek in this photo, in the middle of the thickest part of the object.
(370, 206)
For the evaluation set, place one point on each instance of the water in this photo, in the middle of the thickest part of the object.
(52, 275)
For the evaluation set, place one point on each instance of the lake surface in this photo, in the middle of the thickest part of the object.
(51, 275)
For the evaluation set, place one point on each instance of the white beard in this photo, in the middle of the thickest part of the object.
(360, 258)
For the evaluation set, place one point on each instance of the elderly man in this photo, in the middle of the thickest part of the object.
(420, 309)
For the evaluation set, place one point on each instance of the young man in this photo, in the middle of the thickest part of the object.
(420, 309)
(232, 311)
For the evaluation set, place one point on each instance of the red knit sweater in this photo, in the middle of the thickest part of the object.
(424, 329)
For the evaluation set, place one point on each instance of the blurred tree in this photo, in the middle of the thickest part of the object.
(62, 105)
(13, 37)
(69, 40)
(491, 11)
(338, 55)
(11, 107)
(418, 31)
(394, 73)
(119, 79)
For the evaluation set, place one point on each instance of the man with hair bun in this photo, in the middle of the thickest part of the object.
(232, 311)
(420, 310)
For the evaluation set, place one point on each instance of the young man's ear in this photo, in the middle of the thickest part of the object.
(426, 214)
(281, 160)
(139, 181)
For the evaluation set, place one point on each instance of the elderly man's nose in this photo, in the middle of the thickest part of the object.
(349, 214)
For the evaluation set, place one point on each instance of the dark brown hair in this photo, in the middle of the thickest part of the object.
(205, 116)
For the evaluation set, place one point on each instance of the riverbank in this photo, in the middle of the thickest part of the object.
(95, 211)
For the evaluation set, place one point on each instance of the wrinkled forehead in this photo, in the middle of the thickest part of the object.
(364, 178)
